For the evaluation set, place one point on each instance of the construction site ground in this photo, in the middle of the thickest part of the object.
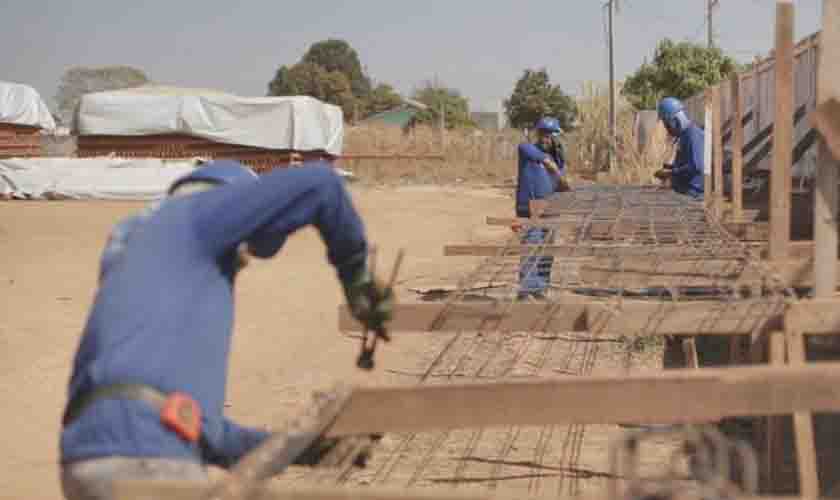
(287, 344)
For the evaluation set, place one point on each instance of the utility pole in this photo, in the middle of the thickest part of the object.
(710, 35)
(611, 7)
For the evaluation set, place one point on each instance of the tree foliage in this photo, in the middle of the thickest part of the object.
(534, 97)
(79, 81)
(313, 80)
(337, 55)
(678, 69)
(381, 98)
(440, 98)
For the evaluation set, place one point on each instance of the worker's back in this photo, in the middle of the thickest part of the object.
(163, 317)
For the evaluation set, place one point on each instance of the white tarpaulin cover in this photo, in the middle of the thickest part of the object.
(90, 178)
(22, 105)
(299, 123)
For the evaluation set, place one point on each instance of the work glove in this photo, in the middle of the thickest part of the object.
(562, 185)
(662, 175)
(370, 301)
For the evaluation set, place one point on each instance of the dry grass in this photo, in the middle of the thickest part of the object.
(481, 157)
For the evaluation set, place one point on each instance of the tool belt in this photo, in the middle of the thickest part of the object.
(178, 412)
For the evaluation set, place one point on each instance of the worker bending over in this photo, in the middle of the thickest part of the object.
(686, 173)
(147, 391)
(541, 173)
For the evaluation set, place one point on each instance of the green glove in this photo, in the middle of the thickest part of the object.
(370, 301)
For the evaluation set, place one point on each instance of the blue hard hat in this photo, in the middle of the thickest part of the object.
(668, 108)
(548, 124)
(222, 172)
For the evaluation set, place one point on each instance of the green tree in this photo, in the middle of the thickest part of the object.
(534, 97)
(79, 81)
(315, 81)
(338, 55)
(678, 69)
(437, 97)
(381, 98)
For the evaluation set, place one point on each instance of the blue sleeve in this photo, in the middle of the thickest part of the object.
(530, 152)
(227, 442)
(691, 156)
(264, 212)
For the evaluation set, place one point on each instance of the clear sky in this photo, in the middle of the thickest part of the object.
(480, 48)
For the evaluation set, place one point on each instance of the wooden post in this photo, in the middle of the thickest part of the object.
(773, 444)
(825, 196)
(717, 151)
(780, 176)
(737, 149)
(708, 189)
(803, 427)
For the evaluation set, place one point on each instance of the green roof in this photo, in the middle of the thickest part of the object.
(400, 117)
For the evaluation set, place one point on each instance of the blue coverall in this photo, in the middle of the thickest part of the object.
(163, 313)
(534, 182)
(687, 171)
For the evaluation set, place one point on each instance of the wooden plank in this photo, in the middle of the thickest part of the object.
(780, 176)
(814, 317)
(826, 195)
(549, 317)
(803, 427)
(717, 152)
(671, 396)
(707, 148)
(684, 318)
(737, 148)
(134, 489)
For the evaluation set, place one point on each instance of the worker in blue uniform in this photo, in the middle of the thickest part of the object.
(542, 171)
(686, 172)
(146, 396)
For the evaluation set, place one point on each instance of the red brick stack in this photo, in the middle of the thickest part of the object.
(19, 141)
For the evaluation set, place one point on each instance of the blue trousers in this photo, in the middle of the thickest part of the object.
(535, 272)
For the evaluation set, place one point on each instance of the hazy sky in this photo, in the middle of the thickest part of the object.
(480, 48)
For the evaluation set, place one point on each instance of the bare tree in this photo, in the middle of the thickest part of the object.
(79, 81)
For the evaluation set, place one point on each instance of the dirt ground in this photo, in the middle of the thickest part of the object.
(286, 341)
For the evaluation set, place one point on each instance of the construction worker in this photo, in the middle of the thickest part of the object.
(146, 395)
(686, 173)
(541, 173)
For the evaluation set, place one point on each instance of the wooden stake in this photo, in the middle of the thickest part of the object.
(717, 151)
(826, 195)
(780, 177)
(737, 148)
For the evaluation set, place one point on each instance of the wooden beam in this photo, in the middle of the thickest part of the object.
(814, 317)
(684, 318)
(134, 489)
(717, 152)
(737, 148)
(671, 396)
(551, 317)
(780, 176)
(826, 211)
(644, 318)
(803, 426)
(773, 436)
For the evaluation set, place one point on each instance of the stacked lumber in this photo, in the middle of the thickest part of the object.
(19, 141)
(177, 146)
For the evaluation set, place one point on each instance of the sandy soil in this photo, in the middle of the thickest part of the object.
(287, 345)
(286, 340)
